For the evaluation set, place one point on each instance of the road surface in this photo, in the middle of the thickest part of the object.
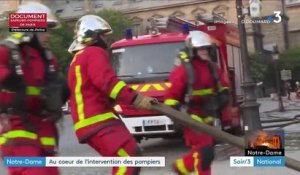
(175, 148)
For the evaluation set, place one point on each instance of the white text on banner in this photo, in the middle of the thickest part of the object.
(241, 161)
(105, 161)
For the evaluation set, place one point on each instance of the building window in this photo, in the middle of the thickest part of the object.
(221, 14)
(198, 11)
(137, 25)
(138, 29)
(291, 3)
(78, 8)
(133, 1)
(117, 2)
(136, 20)
(178, 14)
(220, 10)
(59, 11)
(98, 5)
(156, 16)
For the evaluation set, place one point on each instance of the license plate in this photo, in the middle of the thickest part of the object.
(153, 122)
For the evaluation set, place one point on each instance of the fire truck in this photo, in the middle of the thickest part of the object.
(144, 62)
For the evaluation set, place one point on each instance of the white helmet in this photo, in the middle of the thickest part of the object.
(33, 7)
(87, 29)
(197, 39)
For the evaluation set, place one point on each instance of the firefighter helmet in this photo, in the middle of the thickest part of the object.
(197, 39)
(75, 46)
(88, 27)
(33, 7)
(87, 30)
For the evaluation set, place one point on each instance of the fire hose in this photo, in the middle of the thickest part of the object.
(218, 134)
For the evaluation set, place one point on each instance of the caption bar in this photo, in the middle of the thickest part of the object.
(259, 161)
(264, 152)
(27, 22)
(84, 161)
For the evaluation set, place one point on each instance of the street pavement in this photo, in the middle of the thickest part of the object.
(174, 148)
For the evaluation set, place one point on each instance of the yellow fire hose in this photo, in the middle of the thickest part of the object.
(185, 119)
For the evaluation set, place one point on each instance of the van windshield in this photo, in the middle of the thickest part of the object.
(144, 60)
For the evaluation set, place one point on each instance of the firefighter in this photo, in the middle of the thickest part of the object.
(298, 89)
(196, 86)
(94, 89)
(288, 89)
(30, 95)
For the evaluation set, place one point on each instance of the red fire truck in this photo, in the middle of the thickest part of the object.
(144, 62)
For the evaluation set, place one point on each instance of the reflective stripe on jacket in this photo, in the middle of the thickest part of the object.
(203, 86)
(94, 86)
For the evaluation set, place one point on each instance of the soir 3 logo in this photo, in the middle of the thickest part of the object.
(276, 18)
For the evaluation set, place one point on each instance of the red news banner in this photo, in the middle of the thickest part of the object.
(28, 22)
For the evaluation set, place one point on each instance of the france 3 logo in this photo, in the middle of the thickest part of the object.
(276, 18)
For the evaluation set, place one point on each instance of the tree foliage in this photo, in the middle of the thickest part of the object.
(257, 67)
(62, 38)
(290, 59)
(3, 29)
(60, 41)
(118, 22)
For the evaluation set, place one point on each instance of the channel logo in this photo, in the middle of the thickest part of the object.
(276, 18)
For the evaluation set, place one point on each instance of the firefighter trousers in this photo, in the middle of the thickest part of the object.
(116, 141)
(20, 141)
(199, 159)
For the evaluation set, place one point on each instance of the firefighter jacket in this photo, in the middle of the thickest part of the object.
(94, 87)
(34, 71)
(203, 87)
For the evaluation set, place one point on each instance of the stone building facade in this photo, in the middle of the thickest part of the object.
(139, 11)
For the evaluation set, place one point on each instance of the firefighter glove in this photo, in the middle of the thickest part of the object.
(144, 102)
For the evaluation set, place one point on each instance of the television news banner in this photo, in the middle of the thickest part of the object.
(37, 22)
(264, 149)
